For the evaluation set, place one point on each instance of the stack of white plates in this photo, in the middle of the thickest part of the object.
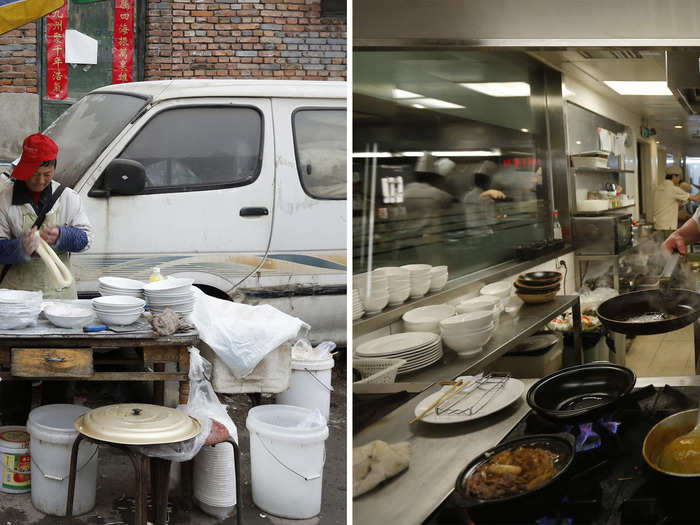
(19, 308)
(419, 349)
(419, 277)
(374, 290)
(172, 293)
(427, 318)
(357, 308)
(120, 286)
(398, 282)
(438, 278)
(118, 309)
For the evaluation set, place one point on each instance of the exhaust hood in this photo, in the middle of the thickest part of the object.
(683, 78)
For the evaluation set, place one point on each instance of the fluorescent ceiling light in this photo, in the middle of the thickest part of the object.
(434, 103)
(371, 154)
(500, 89)
(678, 126)
(692, 160)
(485, 153)
(400, 93)
(524, 130)
(635, 87)
(418, 106)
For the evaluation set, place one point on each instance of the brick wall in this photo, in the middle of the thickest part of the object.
(286, 39)
(18, 73)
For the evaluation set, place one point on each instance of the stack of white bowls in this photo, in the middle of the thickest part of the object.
(427, 318)
(172, 293)
(118, 309)
(19, 308)
(120, 286)
(500, 289)
(467, 333)
(357, 308)
(438, 278)
(419, 277)
(374, 291)
(398, 283)
(484, 302)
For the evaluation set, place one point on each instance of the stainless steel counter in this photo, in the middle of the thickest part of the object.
(440, 452)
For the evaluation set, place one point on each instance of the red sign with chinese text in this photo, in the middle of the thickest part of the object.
(56, 68)
(123, 52)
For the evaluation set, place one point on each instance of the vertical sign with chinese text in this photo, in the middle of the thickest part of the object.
(123, 52)
(56, 68)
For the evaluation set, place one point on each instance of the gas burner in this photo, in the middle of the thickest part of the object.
(590, 436)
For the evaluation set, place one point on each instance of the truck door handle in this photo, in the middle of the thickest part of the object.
(253, 212)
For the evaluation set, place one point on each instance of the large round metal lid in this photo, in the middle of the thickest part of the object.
(137, 424)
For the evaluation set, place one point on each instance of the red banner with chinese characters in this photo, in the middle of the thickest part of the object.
(56, 68)
(123, 53)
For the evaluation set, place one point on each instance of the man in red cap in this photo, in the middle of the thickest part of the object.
(34, 201)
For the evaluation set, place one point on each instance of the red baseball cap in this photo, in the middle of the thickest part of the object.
(36, 149)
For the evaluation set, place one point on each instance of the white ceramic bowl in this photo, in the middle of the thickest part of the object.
(170, 285)
(427, 318)
(513, 304)
(117, 302)
(417, 268)
(485, 302)
(121, 283)
(501, 289)
(399, 295)
(67, 316)
(437, 282)
(118, 319)
(419, 288)
(458, 330)
(375, 303)
(472, 343)
(438, 270)
(470, 321)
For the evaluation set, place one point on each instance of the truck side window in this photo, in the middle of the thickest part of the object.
(199, 148)
(319, 141)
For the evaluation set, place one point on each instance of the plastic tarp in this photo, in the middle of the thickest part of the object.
(240, 334)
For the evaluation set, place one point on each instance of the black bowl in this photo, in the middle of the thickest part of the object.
(580, 392)
(538, 290)
(526, 505)
(540, 278)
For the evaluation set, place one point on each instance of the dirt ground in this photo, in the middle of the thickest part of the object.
(116, 478)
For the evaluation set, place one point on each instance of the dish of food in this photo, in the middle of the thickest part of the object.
(513, 471)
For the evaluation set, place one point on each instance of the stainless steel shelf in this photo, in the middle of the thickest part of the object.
(602, 212)
(601, 170)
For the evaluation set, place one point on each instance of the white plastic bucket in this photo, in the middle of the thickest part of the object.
(286, 461)
(15, 461)
(310, 386)
(215, 480)
(52, 436)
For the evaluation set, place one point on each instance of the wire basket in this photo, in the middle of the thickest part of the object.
(375, 370)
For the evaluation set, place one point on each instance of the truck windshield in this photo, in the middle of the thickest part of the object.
(87, 128)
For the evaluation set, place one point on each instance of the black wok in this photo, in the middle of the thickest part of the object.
(581, 392)
(526, 505)
(679, 308)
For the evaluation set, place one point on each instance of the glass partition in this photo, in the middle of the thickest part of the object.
(450, 158)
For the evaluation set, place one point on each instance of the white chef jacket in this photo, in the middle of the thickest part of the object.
(667, 198)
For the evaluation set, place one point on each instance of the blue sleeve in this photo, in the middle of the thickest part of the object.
(12, 251)
(71, 239)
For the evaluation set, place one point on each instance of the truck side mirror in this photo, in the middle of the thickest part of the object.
(121, 177)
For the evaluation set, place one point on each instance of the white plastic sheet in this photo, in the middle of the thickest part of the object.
(240, 334)
(204, 406)
(303, 351)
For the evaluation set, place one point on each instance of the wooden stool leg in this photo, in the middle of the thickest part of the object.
(160, 478)
(140, 463)
(72, 474)
(186, 483)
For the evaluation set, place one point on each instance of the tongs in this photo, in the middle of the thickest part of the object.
(665, 279)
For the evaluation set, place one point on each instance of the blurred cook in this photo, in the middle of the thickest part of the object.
(35, 201)
(667, 198)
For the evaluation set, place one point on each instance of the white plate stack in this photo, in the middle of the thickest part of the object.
(419, 277)
(374, 290)
(438, 278)
(120, 286)
(398, 283)
(427, 318)
(118, 309)
(357, 308)
(172, 293)
(19, 308)
(419, 349)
